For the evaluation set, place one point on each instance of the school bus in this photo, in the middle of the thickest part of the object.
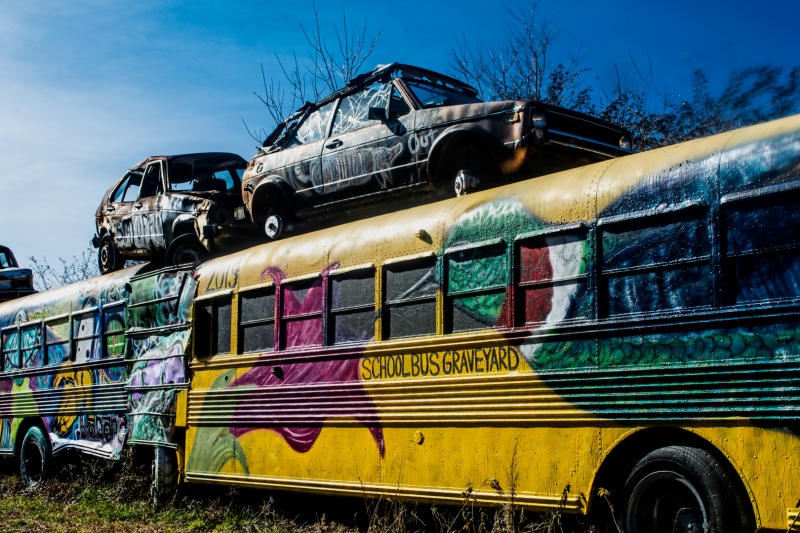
(95, 366)
(630, 325)
(625, 333)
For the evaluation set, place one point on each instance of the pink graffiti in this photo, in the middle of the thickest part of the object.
(321, 372)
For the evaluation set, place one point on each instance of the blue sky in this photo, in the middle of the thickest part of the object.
(90, 87)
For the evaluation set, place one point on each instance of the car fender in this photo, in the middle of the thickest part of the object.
(270, 186)
(460, 133)
(185, 223)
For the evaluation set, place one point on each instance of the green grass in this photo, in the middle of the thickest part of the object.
(97, 497)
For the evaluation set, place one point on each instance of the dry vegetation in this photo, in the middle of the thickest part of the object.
(95, 496)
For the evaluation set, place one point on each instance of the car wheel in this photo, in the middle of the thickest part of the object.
(467, 166)
(683, 489)
(185, 249)
(34, 457)
(273, 226)
(108, 259)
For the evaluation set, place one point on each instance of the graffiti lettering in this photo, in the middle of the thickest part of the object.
(447, 363)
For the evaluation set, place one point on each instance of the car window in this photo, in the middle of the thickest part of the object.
(151, 181)
(353, 110)
(205, 175)
(313, 128)
(5, 260)
(398, 107)
(128, 189)
(436, 96)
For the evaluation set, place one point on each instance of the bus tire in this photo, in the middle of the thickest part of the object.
(682, 488)
(164, 475)
(34, 457)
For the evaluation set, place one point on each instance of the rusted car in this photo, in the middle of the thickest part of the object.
(176, 207)
(404, 131)
(14, 281)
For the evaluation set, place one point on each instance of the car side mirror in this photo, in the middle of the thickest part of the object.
(378, 113)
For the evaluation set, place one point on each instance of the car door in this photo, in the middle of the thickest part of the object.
(148, 229)
(298, 159)
(118, 210)
(365, 155)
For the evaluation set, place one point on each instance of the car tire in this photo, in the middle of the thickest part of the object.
(682, 488)
(185, 249)
(108, 259)
(34, 457)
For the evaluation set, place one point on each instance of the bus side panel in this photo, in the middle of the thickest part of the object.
(158, 337)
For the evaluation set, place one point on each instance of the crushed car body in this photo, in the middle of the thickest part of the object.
(404, 131)
(14, 281)
(174, 207)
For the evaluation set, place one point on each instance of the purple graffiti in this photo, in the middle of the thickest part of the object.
(355, 400)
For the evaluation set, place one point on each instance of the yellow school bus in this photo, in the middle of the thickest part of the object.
(631, 326)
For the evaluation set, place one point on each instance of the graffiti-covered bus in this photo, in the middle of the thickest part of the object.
(95, 366)
(631, 326)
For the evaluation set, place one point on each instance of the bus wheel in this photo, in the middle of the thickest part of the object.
(34, 457)
(683, 489)
(164, 475)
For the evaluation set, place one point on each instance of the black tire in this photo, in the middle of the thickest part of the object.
(164, 475)
(185, 249)
(466, 168)
(683, 489)
(108, 259)
(34, 457)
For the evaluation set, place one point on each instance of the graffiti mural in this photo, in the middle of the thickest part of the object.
(77, 334)
(159, 333)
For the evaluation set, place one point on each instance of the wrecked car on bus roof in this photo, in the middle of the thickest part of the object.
(14, 281)
(408, 132)
(177, 207)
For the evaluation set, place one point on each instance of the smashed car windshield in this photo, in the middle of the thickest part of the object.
(437, 96)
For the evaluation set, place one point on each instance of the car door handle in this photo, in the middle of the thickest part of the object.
(137, 206)
(110, 208)
(336, 143)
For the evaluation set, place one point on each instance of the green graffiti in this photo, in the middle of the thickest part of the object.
(214, 447)
(753, 344)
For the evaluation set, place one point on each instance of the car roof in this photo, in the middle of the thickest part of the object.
(385, 71)
(190, 158)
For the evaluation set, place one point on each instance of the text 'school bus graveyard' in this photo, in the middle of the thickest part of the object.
(632, 325)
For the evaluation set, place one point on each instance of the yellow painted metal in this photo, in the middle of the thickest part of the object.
(485, 430)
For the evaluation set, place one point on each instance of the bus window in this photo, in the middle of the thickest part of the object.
(86, 336)
(553, 277)
(656, 263)
(31, 346)
(477, 279)
(213, 326)
(56, 339)
(114, 331)
(410, 298)
(11, 349)
(352, 306)
(763, 248)
(257, 320)
(301, 313)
